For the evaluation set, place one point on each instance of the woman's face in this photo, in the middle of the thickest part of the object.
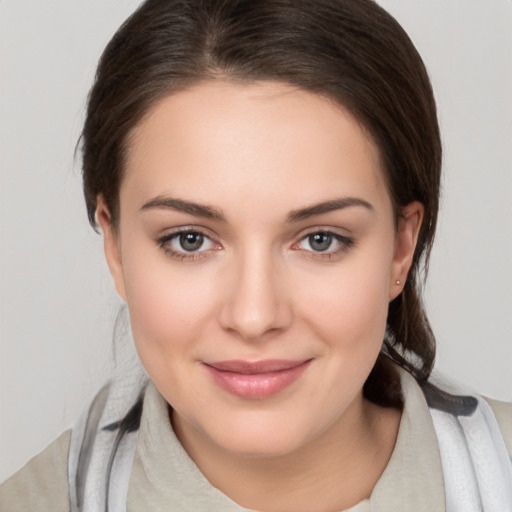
(257, 252)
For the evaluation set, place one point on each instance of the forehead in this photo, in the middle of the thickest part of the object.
(222, 139)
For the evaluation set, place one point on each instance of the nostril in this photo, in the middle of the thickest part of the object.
(255, 317)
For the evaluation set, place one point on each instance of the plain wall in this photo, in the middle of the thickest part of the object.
(57, 303)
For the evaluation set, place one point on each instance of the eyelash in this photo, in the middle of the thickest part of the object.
(164, 242)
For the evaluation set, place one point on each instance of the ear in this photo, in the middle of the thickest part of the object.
(409, 224)
(111, 245)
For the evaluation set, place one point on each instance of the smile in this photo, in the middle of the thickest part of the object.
(256, 380)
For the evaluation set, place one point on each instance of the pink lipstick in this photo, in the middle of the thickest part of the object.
(260, 379)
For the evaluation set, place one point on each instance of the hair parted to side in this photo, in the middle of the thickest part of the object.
(351, 51)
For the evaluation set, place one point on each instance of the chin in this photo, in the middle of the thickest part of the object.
(262, 435)
(261, 447)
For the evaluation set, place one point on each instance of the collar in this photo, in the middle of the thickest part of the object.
(413, 478)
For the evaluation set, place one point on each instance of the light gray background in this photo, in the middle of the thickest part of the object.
(57, 304)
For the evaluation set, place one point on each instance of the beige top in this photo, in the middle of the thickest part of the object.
(164, 477)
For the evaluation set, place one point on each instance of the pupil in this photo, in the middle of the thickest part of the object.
(320, 241)
(191, 241)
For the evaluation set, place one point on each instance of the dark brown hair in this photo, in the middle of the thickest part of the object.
(351, 51)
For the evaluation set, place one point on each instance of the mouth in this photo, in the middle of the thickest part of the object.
(256, 380)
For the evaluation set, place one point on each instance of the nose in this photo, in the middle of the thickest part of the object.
(257, 301)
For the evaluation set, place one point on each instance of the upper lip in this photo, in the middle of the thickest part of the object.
(256, 367)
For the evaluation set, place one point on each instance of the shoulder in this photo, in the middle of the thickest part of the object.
(42, 484)
(503, 413)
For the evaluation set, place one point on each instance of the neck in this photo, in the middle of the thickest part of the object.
(335, 471)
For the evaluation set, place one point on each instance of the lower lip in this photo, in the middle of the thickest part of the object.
(259, 385)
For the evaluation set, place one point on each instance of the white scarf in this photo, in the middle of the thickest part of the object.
(477, 470)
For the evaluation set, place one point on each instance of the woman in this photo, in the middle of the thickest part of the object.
(266, 178)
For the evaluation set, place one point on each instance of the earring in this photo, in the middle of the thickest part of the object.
(397, 282)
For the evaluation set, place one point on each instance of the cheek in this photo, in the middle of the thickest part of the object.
(350, 308)
(168, 308)
(348, 314)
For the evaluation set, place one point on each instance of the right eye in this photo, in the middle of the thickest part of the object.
(187, 244)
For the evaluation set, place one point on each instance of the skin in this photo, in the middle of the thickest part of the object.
(257, 289)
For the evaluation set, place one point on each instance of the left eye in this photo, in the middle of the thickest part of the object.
(323, 241)
(188, 242)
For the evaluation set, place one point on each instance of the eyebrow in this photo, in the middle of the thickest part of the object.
(180, 205)
(326, 207)
(209, 212)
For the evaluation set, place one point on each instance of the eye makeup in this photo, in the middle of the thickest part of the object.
(189, 244)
